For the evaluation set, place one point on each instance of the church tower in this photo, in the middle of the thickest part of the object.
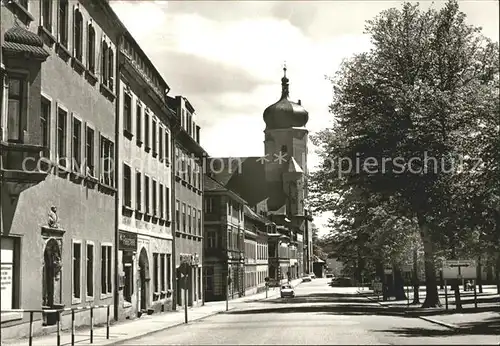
(285, 147)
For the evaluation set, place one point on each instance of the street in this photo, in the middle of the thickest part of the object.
(319, 314)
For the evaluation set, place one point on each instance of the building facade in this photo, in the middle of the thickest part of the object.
(256, 251)
(187, 201)
(224, 248)
(58, 187)
(144, 239)
(275, 184)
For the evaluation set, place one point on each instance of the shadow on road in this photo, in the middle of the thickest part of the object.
(323, 298)
(490, 326)
(351, 309)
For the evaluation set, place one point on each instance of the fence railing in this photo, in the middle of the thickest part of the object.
(58, 323)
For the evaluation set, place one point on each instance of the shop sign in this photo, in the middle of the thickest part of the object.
(127, 241)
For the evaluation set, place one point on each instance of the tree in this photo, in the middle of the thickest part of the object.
(400, 111)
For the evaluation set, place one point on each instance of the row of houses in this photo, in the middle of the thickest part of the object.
(106, 190)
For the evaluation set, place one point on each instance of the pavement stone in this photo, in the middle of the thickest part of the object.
(136, 328)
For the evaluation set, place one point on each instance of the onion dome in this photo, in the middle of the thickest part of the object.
(285, 113)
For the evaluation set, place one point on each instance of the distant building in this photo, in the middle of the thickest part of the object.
(275, 184)
(256, 251)
(187, 199)
(224, 242)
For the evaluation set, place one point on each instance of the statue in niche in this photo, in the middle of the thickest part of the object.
(53, 218)
(51, 271)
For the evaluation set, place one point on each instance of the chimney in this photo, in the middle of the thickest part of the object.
(300, 103)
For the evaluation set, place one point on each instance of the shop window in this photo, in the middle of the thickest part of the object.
(128, 289)
(9, 275)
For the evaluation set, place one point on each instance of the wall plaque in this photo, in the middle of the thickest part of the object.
(127, 241)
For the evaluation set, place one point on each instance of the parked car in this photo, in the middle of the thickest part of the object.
(312, 275)
(341, 282)
(306, 278)
(329, 276)
(287, 291)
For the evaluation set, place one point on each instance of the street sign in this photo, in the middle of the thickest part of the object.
(406, 268)
(459, 269)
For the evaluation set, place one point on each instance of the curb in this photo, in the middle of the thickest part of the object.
(427, 319)
(447, 325)
(177, 324)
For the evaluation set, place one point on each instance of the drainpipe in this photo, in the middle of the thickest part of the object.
(174, 131)
(118, 67)
(202, 255)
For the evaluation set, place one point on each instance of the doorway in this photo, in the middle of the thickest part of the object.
(144, 279)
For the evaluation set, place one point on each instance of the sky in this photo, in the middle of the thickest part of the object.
(227, 57)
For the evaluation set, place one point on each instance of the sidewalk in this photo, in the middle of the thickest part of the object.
(147, 324)
(485, 319)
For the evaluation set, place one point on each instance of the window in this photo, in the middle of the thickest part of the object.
(46, 13)
(177, 216)
(111, 57)
(9, 273)
(162, 204)
(189, 219)
(160, 144)
(127, 112)
(167, 145)
(78, 35)
(15, 111)
(167, 203)
(91, 48)
(162, 272)
(45, 123)
(155, 201)
(106, 269)
(177, 161)
(169, 270)
(76, 147)
(211, 239)
(195, 230)
(184, 217)
(146, 195)
(104, 63)
(61, 136)
(138, 120)
(155, 274)
(90, 270)
(138, 190)
(200, 232)
(146, 131)
(153, 137)
(208, 205)
(127, 186)
(229, 239)
(89, 151)
(77, 270)
(107, 162)
(63, 22)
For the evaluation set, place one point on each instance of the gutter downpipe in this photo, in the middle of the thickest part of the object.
(173, 225)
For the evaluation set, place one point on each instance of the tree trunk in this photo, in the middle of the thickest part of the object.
(399, 287)
(416, 280)
(479, 274)
(379, 270)
(432, 296)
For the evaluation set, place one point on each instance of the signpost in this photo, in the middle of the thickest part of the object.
(459, 270)
(185, 268)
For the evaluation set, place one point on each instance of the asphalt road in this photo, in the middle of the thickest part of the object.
(318, 315)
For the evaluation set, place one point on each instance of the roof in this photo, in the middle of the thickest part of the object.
(253, 215)
(212, 185)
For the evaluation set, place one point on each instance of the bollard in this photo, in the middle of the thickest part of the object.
(107, 322)
(31, 328)
(72, 327)
(91, 325)
(58, 328)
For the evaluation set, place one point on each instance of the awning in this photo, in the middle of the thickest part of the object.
(19, 40)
